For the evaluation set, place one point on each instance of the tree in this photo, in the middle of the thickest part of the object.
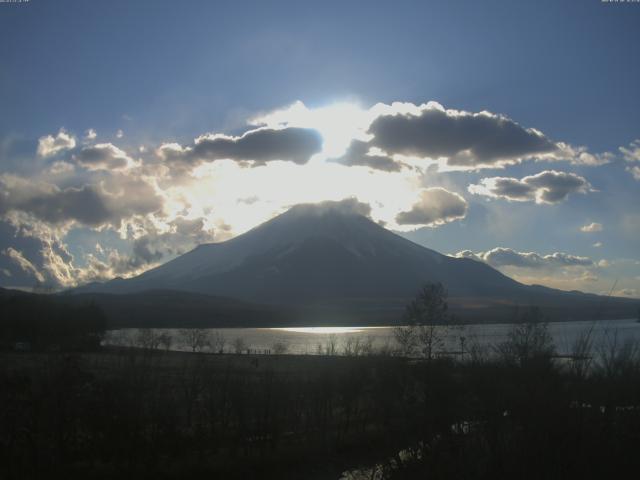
(147, 339)
(165, 339)
(239, 345)
(195, 338)
(280, 347)
(407, 340)
(426, 319)
(528, 340)
(218, 342)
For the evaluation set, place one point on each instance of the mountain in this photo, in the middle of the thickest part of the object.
(316, 254)
(331, 260)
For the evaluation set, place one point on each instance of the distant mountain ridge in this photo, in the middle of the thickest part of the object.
(334, 258)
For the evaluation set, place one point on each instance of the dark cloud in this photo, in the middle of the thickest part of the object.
(465, 139)
(436, 206)
(103, 156)
(507, 257)
(90, 205)
(358, 154)
(549, 186)
(263, 145)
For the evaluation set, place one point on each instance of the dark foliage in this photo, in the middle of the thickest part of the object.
(136, 414)
(40, 322)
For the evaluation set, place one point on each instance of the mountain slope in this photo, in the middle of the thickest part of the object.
(317, 255)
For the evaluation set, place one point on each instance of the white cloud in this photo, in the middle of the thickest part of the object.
(90, 134)
(591, 228)
(507, 257)
(635, 171)
(23, 263)
(50, 145)
(632, 155)
(632, 152)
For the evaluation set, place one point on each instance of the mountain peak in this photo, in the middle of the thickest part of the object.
(347, 207)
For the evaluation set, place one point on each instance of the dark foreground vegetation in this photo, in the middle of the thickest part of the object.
(41, 322)
(69, 409)
(515, 413)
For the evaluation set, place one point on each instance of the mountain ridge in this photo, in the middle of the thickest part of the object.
(305, 244)
(333, 258)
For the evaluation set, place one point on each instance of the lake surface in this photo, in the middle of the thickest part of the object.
(311, 340)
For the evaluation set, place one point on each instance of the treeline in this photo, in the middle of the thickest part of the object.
(515, 413)
(39, 322)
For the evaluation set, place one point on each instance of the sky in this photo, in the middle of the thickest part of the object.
(506, 132)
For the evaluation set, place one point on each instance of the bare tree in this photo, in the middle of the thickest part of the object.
(195, 338)
(280, 347)
(427, 317)
(331, 348)
(528, 340)
(147, 339)
(165, 339)
(218, 342)
(407, 339)
(239, 345)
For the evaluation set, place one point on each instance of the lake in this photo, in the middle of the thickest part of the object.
(307, 340)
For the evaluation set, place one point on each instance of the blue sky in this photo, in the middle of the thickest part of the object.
(167, 72)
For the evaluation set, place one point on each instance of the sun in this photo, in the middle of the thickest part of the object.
(338, 123)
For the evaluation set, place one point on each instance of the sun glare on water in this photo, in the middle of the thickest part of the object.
(321, 330)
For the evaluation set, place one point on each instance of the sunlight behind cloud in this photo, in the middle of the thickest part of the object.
(338, 123)
(223, 188)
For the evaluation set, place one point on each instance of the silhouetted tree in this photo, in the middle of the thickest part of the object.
(218, 342)
(239, 345)
(195, 338)
(165, 339)
(528, 339)
(426, 317)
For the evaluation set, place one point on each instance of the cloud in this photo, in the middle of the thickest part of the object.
(507, 257)
(119, 133)
(632, 155)
(549, 186)
(627, 292)
(359, 154)
(591, 228)
(50, 145)
(634, 171)
(466, 140)
(90, 134)
(580, 155)
(103, 156)
(436, 206)
(41, 247)
(259, 146)
(23, 263)
(91, 205)
(632, 152)
(349, 206)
